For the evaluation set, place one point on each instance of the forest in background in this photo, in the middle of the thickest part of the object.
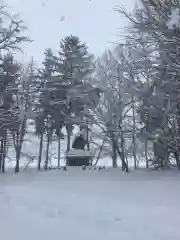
(130, 94)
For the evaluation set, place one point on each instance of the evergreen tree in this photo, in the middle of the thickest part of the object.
(68, 90)
(76, 66)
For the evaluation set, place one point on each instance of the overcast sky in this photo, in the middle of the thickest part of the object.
(94, 21)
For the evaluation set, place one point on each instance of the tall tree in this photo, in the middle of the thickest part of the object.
(110, 112)
(11, 38)
(9, 75)
(76, 66)
(155, 24)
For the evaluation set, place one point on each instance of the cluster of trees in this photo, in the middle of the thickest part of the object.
(54, 96)
(141, 102)
(130, 94)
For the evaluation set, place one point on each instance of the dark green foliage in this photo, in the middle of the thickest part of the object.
(67, 91)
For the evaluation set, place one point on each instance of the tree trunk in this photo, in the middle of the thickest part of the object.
(121, 155)
(165, 163)
(176, 155)
(47, 153)
(3, 162)
(68, 140)
(40, 151)
(146, 153)
(100, 150)
(4, 151)
(59, 151)
(178, 127)
(1, 156)
(114, 155)
(87, 136)
(134, 135)
(177, 144)
(19, 141)
(18, 155)
(177, 120)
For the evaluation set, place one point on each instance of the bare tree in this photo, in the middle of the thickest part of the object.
(24, 111)
(11, 36)
(111, 112)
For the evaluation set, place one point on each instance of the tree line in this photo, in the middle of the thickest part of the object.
(130, 94)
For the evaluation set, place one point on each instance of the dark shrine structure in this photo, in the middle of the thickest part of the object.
(78, 156)
(79, 142)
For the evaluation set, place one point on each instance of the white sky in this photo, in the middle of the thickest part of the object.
(94, 21)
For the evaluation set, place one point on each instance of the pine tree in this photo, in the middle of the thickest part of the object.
(76, 65)
(71, 92)
(67, 94)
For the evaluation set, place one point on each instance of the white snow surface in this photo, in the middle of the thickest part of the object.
(77, 204)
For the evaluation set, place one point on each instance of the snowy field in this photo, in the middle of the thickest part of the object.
(83, 205)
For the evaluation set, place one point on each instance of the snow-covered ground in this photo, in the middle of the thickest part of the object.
(83, 205)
